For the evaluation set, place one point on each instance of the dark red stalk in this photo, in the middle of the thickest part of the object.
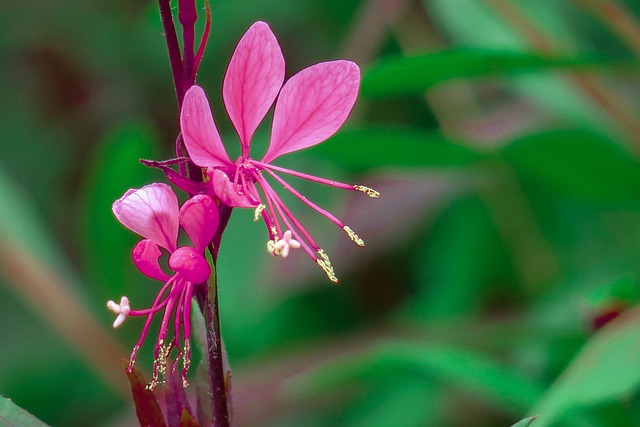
(173, 47)
(205, 37)
(208, 303)
(184, 69)
(187, 16)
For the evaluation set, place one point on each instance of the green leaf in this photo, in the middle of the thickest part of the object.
(463, 369)
(578, 163)
(13, 415)
(606, 369)
(418, 401)
(415, 74)
(115, 169)
(526, 422)
(373, 148)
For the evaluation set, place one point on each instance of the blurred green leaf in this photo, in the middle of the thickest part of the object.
(525, 423)
(463, 369)
(480, 26)
(20, 222)
(578, 163)
(460, 262)
(607, 368)
(383, 147)
(416, 400)
(114, 169)
(12, 415)
(415, 74)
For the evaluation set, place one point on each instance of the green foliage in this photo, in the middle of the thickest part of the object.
(500, 277)
(11, 414)
(577, 163)
(415, 74)
(367, 149)
(525, 422)
(607, 368)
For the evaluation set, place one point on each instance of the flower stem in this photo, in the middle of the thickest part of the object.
(173, 47)
(208, 301)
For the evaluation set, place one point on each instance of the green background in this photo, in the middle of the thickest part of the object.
(503, 136)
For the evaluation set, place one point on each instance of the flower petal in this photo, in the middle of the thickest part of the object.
(199, 218)
(312, 106)
(199, 130)
(252, 81)
(152, 212)
(145, 256)
(226, 191)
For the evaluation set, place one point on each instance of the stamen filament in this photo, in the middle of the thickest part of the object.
(305, 200)
(308, 177)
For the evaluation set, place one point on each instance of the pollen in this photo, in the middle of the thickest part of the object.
(353, 236)
(258, 212)
(368, 191)
(271, 247)
(325, 264)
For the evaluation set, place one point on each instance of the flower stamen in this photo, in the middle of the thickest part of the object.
(368, 191)
(325, 264)
(353, 236)
(258, 212)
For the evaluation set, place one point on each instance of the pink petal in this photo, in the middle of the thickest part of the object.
(152, 212)
(252, 82)
(145, 256)
(312, 106)
(227, 192)
(199, 130)
(199, 218)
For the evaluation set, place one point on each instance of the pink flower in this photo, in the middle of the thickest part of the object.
(153, 213)
(311, 107)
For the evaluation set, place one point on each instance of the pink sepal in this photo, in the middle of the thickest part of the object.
(199, 219)
(145, 256)
(312, 106)
(151, 212)
(199, 131)
(253, 79)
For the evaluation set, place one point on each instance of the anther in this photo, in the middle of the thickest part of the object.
(353, 236)
(258, 212)
(366, 190)
(325, 264)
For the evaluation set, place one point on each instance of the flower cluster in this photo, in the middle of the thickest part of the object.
(311, 106)
(153, 213)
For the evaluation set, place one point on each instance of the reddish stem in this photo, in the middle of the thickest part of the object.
(173, 47)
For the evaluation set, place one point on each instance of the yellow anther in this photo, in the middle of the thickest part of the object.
(325, 264)
(366, 190)
(271, 247)
(163, 353)
(258, 212)
(353, 236)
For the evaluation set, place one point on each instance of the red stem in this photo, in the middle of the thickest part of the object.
(173, 47)
(188, 16)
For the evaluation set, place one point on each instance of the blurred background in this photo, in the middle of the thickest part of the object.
(500, 277)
